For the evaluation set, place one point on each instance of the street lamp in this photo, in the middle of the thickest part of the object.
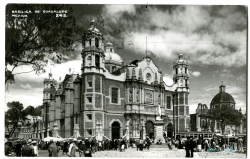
(46, 118)
(173, 115)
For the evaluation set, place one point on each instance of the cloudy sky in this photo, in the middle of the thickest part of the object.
(211, 38)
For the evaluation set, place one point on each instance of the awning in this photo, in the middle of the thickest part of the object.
(54, 139)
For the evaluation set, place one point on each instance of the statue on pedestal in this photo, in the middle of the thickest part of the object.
(158, 117)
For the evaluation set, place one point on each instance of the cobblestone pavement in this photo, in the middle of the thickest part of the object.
(155, 152)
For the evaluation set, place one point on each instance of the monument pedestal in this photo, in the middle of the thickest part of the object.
(159, 131)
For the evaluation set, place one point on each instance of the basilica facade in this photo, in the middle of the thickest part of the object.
(115, 99)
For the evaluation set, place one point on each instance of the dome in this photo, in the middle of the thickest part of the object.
(222, 97)
(112, 57)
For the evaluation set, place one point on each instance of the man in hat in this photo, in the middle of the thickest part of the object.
(187, 146)
(27, 150)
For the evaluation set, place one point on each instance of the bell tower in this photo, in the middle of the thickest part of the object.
(48, 111)
(93, 50)
(181, 108)
(92, 107)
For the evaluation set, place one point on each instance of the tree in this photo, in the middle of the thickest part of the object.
(14, 116)
(226, 115)
(37, 38)
(37, 111)
(30, 110)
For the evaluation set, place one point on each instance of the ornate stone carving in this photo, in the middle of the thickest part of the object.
(127, 74)
(140, 74)
(133, 73)
(159, 98)
(156, 79)
(149, 96)
(130, 95)
(137, 96)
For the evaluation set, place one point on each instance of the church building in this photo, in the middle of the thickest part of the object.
(201, 122)
(114, 99)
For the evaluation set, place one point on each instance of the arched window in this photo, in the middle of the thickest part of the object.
(114, 95)
(176, 70)
(186, 82)
(185, 69)
(97, 60)
(89, 42)
(96, 42)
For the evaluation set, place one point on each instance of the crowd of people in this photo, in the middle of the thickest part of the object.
(23, 148)
(216, 144)
(86, 147)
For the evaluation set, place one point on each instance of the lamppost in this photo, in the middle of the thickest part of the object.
(46, 118)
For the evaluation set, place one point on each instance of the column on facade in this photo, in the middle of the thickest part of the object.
(143, 130)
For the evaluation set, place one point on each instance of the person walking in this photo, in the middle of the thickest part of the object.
(87, 152)
(206, 144)
(187, 147)
(148, 142)
(99, 145)
(93, 146)
(18, 149)
(119, 144)
(192, 145)
(240, 142)
(199, 142)
(82, 147)
(35, 147)
(65, 147)
(53, 149)
(73, 148)
(137, 144)
(141, 145)
(123, 143)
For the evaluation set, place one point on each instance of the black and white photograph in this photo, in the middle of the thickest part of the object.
(125, 80)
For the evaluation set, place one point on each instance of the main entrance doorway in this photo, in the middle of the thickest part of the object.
(115, 130)
(170, 130)
(150, 129)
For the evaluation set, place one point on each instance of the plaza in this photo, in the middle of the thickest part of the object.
(155, 151)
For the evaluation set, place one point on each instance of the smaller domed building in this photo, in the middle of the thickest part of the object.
(199, 122)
